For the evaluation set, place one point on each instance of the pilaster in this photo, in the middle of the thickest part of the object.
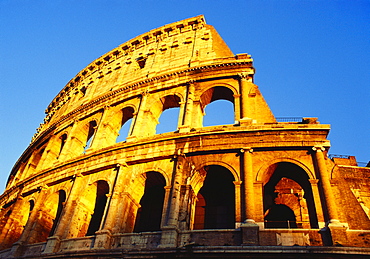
(62, 228)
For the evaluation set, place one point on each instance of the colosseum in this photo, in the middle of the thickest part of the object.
(260, 187)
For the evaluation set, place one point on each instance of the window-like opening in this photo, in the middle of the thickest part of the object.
(216, 200)
(124, 131)
(90, 134)
(149, 215)
(141, 61)
(220, 112)
(167, 113)
(63, 140)
(83, 91)
(218, 105)
(127, 115)
(168, 121)
(100, 203)
(61, 200)
(288, 199)
(32, 205)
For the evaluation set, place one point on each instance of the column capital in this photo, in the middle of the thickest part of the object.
(237, 183)
(246, 149)
(318, 148)
(191, 81)
(145, 93)
(313, 181)
(245, 76)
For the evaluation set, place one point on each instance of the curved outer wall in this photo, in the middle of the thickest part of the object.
(77, 191)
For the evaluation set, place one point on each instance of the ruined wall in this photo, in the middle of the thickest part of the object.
(80, 188)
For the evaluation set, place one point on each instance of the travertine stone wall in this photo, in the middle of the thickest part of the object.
(256, 182)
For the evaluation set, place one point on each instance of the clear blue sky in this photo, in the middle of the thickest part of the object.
(312, 58)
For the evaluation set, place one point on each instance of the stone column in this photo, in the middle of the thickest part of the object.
(103, 236)
(237, 108)
(62, 228)
(139, 124)
(245, 82)
(250, 230)
(68, 147)
(105, 131)
(188, 111)
(325, 182)
(170, 228)
(248, 184)
(238, 215)
(334, 230)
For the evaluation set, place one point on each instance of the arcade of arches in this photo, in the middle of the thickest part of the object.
(126, 162)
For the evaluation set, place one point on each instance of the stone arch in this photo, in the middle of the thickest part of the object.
(126, 114)
(286, 183)
(149, 214)
(215, 203)
(159, 108)
(221, 84)
(214, 94)
(35, 161)
(195, 181)
(261, 173)
(82, 136)
(133, 195)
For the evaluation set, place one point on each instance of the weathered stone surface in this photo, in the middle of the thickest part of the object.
(256, 187)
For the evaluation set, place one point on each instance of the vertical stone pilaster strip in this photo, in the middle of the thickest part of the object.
(62, 228)
(189, 104)
(174, 199)
(115, 199)
(100, 136)
(29, 233)
(248, 184)
(139, 123)
(238, 215)
(245, 86)
(237, 108)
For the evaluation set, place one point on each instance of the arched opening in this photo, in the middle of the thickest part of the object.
(215, 208)
(218, 106)
(124, 132)
(288, 198)
(168, 121)
(100, 203)
(149, 214)
(219, 112)
(14, 220)
(63, 140)
(90, 134)
(167, 114)
(89, 214)
(34, 163)
(61, 200)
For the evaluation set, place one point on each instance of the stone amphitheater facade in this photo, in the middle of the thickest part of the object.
(258, 187)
